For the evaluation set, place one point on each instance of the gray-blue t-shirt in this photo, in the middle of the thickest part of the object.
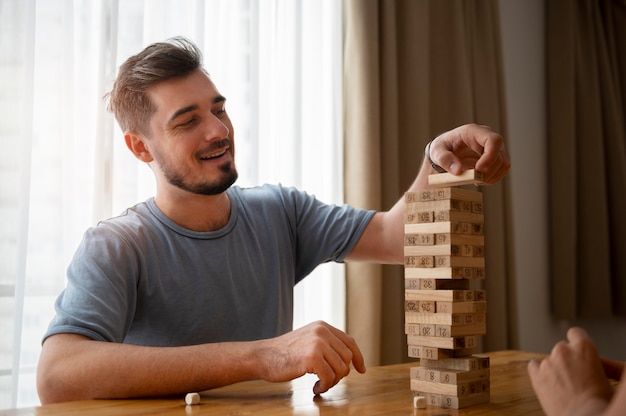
(141, 279)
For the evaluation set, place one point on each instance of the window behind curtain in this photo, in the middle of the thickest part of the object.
(63, 162)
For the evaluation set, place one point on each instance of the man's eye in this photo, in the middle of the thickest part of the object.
(188, 123)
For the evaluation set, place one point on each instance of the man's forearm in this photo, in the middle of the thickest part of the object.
(73, 367)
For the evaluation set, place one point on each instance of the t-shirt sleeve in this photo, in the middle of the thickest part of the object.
(324, 232)
(99, 299)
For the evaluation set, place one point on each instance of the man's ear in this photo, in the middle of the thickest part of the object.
(136, 143)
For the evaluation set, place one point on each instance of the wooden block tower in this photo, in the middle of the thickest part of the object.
(444, 312)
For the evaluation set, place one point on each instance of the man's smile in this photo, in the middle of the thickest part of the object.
(215, 150)
(216, 155)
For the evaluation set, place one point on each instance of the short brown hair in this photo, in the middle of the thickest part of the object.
(128, 101)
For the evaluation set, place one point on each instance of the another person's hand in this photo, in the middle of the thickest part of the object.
(613, 369)
(317, 348)
(571, 380)
(471, 146)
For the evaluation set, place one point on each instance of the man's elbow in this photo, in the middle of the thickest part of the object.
(55, 381)
(49, 387)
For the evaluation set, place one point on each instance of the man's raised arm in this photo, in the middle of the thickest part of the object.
(467, 147)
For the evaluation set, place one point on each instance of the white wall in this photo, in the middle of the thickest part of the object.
(522, 27)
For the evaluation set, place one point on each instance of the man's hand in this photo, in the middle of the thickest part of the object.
(471, 147)
(467, 147)
(571, 380)
(317, 348)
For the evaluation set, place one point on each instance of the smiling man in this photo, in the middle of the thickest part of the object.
(190, 148)
(193, 288)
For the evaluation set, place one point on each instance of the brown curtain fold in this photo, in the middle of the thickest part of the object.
(586, 56)
(413, 69)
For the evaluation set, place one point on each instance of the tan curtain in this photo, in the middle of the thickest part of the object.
(413, 69)
(586, 45)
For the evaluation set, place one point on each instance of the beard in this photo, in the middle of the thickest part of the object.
(207, 187)
(214, 187)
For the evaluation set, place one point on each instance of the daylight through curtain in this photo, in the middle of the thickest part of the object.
(63, 162)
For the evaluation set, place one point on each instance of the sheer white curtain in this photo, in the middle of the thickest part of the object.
(63, 164)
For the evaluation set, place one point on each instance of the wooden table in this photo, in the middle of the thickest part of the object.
(380, 391)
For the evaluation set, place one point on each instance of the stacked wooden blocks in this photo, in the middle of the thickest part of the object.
(444, 312)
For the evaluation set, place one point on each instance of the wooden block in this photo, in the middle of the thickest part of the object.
(460, 376)
(439, 205)
(469, 177)
(419, 239)
(480, 294)
(426, 306)
(438, 250)
(457, 216)
(444, 318)
(467, 250)
(478, 273)
(457, 193)
(475, 228)
(425, 374)
(419, 217)
(432, 399)
(448, 376)
(423, 195)
(436, 284)
(411, 305)
(479, 328)
(474, 362)
(449, 343)
(430, 353)
(457, 227)
(452, 402)
(420, 329)
(439, 295)
(446, 295)
(445, 330)
(456, 390)
(453, 273)
(459, 239)
(424, 261)
(459, 261)
(461, 307)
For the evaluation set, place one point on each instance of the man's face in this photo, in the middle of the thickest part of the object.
(192, 139)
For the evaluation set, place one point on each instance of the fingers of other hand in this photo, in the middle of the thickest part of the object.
(572, 368)
(576, 334)
(330, 359)
(613, 369)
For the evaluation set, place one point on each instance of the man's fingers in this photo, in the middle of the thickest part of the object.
(326, 380)
(495, 162)
(471, 146)
(330, 370)
(348, 349)
(331, 355)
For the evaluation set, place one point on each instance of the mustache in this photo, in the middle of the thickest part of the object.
(216, 145)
